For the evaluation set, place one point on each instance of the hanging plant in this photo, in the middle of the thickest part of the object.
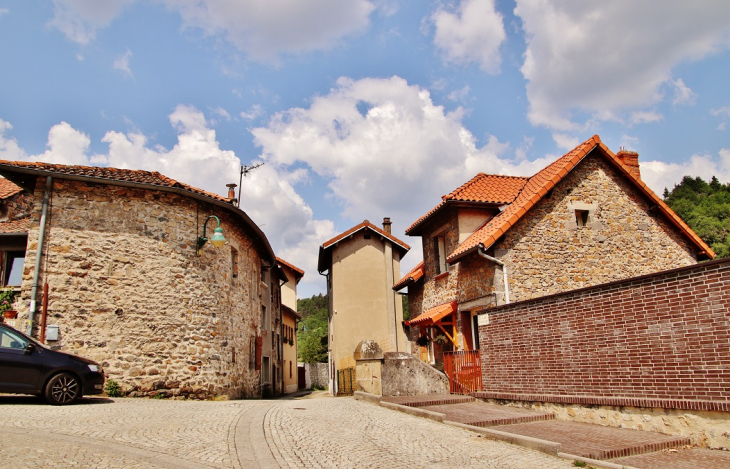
(7, 297)
(422, 341)
(440, 340)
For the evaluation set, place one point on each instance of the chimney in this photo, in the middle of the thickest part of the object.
(232, 193)
(386, 224)
(630, 159)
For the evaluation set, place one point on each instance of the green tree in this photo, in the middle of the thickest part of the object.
(705, 208)
(312, 333)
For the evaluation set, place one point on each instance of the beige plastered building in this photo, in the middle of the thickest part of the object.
(289, 319)
(361, 265)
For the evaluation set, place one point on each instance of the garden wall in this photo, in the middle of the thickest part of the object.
(659, 340)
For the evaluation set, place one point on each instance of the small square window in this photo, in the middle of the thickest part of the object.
(581, 218)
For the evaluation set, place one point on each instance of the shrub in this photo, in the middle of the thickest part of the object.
(112, 389)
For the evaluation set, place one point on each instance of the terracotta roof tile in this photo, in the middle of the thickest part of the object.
(112, 174)
(546, 179)
(8, 189)
(433, 315)
(15, 226)
(298, 273)
(365, 224)
(413, 276)
(482, 188)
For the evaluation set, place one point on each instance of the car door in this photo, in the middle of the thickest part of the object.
(20, 366)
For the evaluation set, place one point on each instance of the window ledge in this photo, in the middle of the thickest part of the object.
(441, 275)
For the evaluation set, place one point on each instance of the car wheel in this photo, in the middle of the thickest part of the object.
(62, 389)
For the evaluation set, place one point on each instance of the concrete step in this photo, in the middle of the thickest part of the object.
(480, 414)
(682, 458)
(596, 441)
(428, 400)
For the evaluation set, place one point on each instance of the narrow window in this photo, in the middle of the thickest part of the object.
(581, 218)
(234, 262)
(439, 252)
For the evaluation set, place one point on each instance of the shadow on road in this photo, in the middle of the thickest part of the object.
(13, 399)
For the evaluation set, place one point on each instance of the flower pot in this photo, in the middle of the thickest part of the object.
(10, 314)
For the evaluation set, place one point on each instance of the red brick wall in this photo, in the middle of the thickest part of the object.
(663, 336)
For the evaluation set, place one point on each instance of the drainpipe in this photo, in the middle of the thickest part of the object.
(482, 253)
(39, 253)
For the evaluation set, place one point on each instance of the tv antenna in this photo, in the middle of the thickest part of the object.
(245, 169)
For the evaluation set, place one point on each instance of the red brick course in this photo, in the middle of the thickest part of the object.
(660, 340)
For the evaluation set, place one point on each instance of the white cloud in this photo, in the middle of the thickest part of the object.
(265, 29)
(604, 58)
(268, 195)
(79, 19)
(460, 95)
(9, 149)
(723, 111)
(261, 29)
(659, 175)
(3, 12)
(645, 117)
(566, 142)
(255, 111)
(471, 34)
(385, 148)
(721, 127)
(122, 63)
(682, 93)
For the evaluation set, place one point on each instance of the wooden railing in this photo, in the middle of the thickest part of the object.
(464, 369)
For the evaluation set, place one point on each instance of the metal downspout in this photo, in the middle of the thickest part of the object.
(39, 253)
(481, 252)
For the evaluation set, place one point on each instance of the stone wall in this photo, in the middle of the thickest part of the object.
(319, 375)
(128, 290)
(406, 375)
(440, 288)
(546, 252)
(659, 341)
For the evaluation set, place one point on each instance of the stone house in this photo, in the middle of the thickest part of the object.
(131, 285)
(289, 319)
(361, 265)
(585, 219)
(14, 222)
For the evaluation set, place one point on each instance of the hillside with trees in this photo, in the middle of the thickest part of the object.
(312, 332)
(705, 207)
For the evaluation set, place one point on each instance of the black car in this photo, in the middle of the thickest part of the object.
(28, 367)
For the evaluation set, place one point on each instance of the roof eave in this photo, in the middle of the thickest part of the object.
(5, 169)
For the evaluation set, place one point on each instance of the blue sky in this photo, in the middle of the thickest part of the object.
(366, 108)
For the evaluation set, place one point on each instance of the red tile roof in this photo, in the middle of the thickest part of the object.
(8, 189)
(111, 174)
(482, 188)
(411, 277)
(298, 273)
(15, 226)
(366, 225)
(539, 185)
(433, 315)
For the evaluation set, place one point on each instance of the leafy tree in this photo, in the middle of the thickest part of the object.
(705, 208)
(312, 334)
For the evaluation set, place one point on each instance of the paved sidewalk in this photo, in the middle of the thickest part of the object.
(308, 431)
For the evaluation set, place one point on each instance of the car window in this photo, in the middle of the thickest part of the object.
(11, 340)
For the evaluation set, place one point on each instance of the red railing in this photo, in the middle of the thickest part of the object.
(464, 369)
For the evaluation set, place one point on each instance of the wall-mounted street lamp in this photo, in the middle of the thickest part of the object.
(216, 240)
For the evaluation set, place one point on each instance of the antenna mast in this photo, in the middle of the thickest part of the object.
(245, 169)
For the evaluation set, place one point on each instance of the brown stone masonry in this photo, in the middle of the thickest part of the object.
(658, 340)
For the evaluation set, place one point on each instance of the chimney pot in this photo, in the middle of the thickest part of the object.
(630, 159)
(386, 224)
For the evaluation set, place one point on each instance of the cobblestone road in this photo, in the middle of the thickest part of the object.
(328, 432)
